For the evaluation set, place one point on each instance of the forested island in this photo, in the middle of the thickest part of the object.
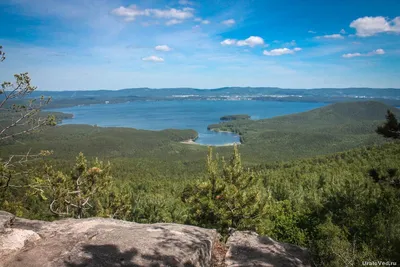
(235, 117)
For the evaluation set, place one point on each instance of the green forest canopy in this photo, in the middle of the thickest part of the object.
(343, 206)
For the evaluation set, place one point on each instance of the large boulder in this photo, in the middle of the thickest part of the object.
(13, 240)
(249, 249)
(104, 242)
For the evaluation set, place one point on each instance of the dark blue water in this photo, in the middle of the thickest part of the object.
(182, 114)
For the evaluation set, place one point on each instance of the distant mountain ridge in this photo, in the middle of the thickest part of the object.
(241, 91)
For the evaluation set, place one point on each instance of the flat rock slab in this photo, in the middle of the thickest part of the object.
(250, 249)
(107, 242)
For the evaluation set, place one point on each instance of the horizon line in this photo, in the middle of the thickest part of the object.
(226, 87)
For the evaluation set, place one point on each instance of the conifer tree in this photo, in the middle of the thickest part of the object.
(75, 194)
(391, 129)
(230, 197)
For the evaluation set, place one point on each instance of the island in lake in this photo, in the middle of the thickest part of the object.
(235, 117)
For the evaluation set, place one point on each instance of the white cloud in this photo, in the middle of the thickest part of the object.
(342, 31)
(372, 53)
(369, 26)
(164, 48)
(378, 52)
(153, 59)
(229, 22)
(331, 36)
(251, 41)
(173, 22)
(173, 13)
(229, 42)
(281, 51)
(131, 12)
(350, 55)
(313, 32)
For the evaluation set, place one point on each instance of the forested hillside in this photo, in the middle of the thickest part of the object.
(343, 206)
(330, 129)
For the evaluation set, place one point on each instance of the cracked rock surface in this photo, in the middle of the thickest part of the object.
(107, 242)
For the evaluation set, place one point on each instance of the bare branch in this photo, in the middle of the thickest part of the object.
(55, 212)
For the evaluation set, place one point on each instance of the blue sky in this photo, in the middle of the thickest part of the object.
(104, 44)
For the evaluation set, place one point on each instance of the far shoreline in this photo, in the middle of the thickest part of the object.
(192, 142)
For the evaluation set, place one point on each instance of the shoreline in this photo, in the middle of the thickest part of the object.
(216, 130)
(192, 142)
(220, 131)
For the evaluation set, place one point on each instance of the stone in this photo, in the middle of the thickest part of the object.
(13, 240)
(5, 220)
(247, 249)
(107, 242)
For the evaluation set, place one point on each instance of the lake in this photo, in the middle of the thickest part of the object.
(182, 114)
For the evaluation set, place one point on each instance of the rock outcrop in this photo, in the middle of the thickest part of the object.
(108, 242)
(250, 249)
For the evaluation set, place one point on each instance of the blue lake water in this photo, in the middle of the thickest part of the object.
(181, 114)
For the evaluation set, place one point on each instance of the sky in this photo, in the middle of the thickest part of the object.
(115, 44)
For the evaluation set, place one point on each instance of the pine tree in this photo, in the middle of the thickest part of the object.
(391, 129)
(230, 197)
(76, 194)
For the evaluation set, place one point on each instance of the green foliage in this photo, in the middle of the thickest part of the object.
(75, 194)
(332, 246)
(391, 129)
(16, 120)
(331, 205)
(230, 197)
(325, 130)
(345, 215)
(344, 207)
(283, 223)
(114, 203)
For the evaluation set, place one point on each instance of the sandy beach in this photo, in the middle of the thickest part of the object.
(192, 142)
(220, 131)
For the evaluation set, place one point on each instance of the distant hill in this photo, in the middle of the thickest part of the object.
(329, 129)
(254, 91)
(338, 113)
(327, 95)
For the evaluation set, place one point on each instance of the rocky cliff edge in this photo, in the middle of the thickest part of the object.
(107, 242)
